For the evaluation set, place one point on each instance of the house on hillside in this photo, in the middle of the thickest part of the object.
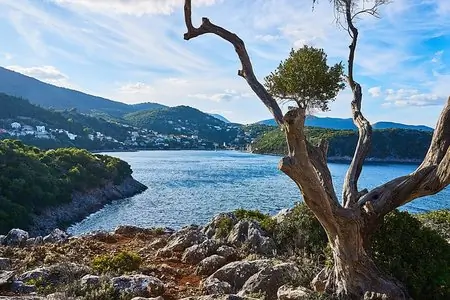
(71, 136)
(16, 125)
(41, 129)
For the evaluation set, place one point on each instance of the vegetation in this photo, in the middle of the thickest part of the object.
(305, 78)
(265, 220)
(32, 180)
(438, 220)
(119, 263)
(386, 143)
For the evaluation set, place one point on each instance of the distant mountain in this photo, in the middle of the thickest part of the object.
(50, 96)
(147, 106)
(347, 124)
(221, 118)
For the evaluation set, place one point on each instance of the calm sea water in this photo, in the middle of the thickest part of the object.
(190, 187)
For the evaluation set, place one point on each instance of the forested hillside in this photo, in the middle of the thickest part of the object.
(389, 144)
(32, 179)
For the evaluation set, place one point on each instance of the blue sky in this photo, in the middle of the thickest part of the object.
(133, 51)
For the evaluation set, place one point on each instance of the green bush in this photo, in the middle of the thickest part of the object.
(438, 220)
(414, 254)
(264, 220)
(224, 226)
(300, 233)
(120, 263)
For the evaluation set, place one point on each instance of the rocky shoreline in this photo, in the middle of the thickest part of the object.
(82, 205)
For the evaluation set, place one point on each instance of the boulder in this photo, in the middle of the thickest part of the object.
(59, 296)
(18, 287)
(142, 298)
(6, 278)
(37, 241)
(210, 264)
(228, 252)
(258, 241)
(216, 287)
(138, 285)
(196, 253)
(239, 233)
(281, 215)
(184, 238)
(103, 236)
(56, 236)
(5, 264)
(269, 279)
(237, 273)
(219, 297)
(213, 228)
(16, 238)
(88, 281)
(2, 240)
(39, 274)
(55, 274)
(287, 292)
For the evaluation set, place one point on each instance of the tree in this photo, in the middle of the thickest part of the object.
(350, 224)
(306, 79)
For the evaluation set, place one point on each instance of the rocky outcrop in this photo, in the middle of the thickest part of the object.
(16, 238)
(210, 264)
(138, 285)
(287, 292)
(82, 205)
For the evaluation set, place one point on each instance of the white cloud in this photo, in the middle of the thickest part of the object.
(412, 97)
(131, 7)
(375, 91)
(134, 88)
(7, 56)
(226, 96)
(48, 74)
(267, 37)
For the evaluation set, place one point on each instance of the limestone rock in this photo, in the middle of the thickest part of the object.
(88, 281)
(249, 233)
(220, 297)
(56, 236)
(138, 285)
(210, 264)
(287, 292)
(228, 252)
(2, 240)
(6, 277)
(269, 279)
(39, 274)
(16, 238)
(19, 287)
(216, 287)
(184, 238)
(5, 264)
(196, 253)
(37, 241)
(214, 229)
(237, 273)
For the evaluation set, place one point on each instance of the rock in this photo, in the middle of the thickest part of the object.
(219, 297)
(184, 238)
(16, 238)
(138, 285)
(210, 264)
(89, 281)
(142, 298)
(55, 274)
(269, 279)
(2, 240)
(39, 274)
(56, 236)
(196, 253)
(5, 264)
(163, 252)
(128, 230)
(216, 287)
(281, 215)
(239, 233)
(213, 228)
(37, 241)
(158, 243)
(6, 277)
(18, 287)
(103, 236)
(228, 252)
(237, 273)
(258, 241)
(287, 292)
(59, 296)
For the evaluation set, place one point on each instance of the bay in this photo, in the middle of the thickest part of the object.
(190, 187)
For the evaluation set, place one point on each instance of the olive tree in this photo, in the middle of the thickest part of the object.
(349, 223)
(306, 79)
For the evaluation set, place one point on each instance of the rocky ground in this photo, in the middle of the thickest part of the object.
(195, 262)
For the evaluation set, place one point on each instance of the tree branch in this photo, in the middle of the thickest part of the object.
(432, 176)
(350, 188)
(247, 69)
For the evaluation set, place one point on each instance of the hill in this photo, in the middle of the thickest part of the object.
(32, 180)
(221, 118)
(388, 144)
(347, 124)
(50, 96)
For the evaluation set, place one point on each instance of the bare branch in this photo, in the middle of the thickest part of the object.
(432, 176)
(247, 69)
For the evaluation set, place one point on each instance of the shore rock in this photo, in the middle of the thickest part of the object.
(5, 264)
(287, 292)
(228, 252)
(213, 228)
(37, 241)
(19, 287)
(138, 285)
(214, 286)
(249, 233)
(2, 240)
(196, 253)
(269, 279)
(219, 297)
(16, 238)
(6, 277)
(210, 264)
(88, 281)
(237, 273)
(56, 236)
(184, 238)
(39, 274)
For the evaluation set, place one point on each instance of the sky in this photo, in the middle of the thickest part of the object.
(133, 51)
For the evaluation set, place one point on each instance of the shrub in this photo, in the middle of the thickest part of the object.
(300, 233)
(414, 254)
(438, 220)
(224, 226)
(264, 220)
(119, 263)
(104, 291)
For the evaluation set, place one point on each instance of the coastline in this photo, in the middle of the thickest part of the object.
(82, 205)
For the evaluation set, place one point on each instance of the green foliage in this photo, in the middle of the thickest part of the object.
(305, 77)
(119, 263)
(104, 291)
(300, 233)
(438, 220)
(264, 220)
(386, 143)
(32, 180)
(414, 254)
(224, 226)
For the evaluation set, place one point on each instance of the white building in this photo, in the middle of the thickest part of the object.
(16, 125)
(91, 137)
(41, 129)
(71, 136)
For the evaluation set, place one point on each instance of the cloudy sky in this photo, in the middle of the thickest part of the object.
(133, 51)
